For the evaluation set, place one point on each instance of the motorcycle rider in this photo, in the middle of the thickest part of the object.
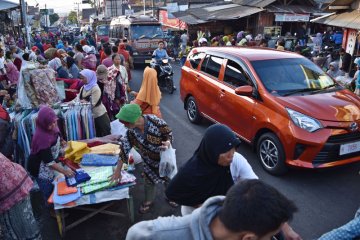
(158, 55)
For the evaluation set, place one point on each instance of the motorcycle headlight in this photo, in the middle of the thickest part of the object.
(165, 61)
(303, 121)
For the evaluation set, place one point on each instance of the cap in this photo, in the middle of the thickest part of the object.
(129, 113)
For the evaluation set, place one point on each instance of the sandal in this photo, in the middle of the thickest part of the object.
(172, 203)
(145, 207)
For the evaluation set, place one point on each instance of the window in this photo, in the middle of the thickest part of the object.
(235, 75)
(288, 76)
(195, 59)
(212, 65)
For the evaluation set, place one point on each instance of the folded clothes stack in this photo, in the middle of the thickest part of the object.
(100, 180)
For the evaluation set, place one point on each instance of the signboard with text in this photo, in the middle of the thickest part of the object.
(288, 17)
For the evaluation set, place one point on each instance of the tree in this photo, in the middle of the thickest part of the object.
(53, 18)
(72, 17)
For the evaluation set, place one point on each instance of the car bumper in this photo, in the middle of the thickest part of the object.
(320, 149)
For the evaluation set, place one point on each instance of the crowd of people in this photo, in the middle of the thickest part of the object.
(220, 195)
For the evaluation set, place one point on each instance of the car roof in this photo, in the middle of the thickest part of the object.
(250, 53)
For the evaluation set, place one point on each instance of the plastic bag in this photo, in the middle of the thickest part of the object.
(167, 167)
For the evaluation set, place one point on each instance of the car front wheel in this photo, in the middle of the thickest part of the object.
(271, 154)
(192, 110)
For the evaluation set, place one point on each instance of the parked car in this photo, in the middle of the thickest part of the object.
(292, 112)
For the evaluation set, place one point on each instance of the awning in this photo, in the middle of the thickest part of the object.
(216, 12)
(299, 9)
(5, 5)
(349, 19)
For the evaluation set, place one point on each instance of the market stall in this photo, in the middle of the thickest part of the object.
(94, 166)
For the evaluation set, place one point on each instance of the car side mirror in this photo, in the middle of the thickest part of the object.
(244, 91)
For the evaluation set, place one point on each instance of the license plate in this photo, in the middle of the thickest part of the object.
(147, 61)
(349, 148)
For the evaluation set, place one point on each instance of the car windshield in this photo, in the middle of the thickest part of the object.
(284, 77)
(103, 30)
(146, 31)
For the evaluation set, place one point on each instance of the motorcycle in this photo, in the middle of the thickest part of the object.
(165, 74)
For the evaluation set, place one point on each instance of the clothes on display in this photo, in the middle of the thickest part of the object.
(76, 150)
(37, 86)
(108, 149)
(75, 123)
(99, 160)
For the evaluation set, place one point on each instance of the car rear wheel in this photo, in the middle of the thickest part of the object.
(192, 110)
(271, 154)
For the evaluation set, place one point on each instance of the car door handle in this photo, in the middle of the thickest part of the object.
(197, 77)
(222, 93)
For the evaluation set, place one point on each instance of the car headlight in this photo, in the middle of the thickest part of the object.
(303, 121)
(135, 53)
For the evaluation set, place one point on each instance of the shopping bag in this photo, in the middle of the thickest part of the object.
(167, 167)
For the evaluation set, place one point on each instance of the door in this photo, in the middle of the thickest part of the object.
(209, 85)
(236, 111)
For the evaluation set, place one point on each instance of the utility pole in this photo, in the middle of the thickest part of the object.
(144, 7)
(78, 12)
(24, 22)
(46, 17)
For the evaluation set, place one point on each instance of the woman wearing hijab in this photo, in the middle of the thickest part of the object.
(45, 149)
(91, 92)
(334, 70)
(11, 70)
(149, 95)
(90, 60)
(210, 171)
(107, 86)
(57, 66)
(72, 68)
(16, 216)
(318, 42)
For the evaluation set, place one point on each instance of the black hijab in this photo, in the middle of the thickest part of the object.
(202, 177)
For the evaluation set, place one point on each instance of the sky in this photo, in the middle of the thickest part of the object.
(60, 6)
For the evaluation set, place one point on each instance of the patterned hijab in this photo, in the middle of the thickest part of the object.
(149, 90)
(91, 79)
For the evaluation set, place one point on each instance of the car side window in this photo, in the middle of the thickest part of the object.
(235, 75)
(212, 65)
(195, 59)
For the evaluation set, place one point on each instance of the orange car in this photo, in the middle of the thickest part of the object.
(280, 102)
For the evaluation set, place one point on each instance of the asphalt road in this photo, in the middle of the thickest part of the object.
(326, 199)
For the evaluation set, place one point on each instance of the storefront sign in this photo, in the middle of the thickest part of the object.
(272, 31)
(351, 41)
(288, 17)
(172, 23)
